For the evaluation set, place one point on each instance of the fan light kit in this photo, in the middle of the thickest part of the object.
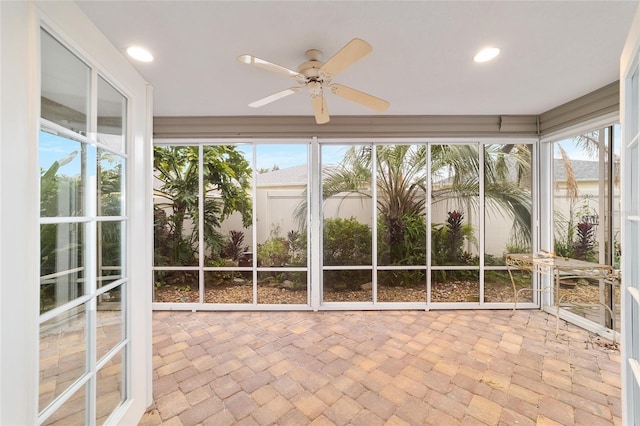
(316, 76)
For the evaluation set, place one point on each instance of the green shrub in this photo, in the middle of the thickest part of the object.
(280, 251)
(402, 241)
(346, 242)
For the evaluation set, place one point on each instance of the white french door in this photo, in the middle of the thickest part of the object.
(630, 117)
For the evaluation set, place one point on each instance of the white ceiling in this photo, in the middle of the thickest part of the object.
(552, 52)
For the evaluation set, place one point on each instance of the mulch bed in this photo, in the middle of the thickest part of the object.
(451, 291)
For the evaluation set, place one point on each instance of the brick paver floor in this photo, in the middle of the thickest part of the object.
(380, 368)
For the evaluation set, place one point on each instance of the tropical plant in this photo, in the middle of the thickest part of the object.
(585, 242)
(281, 251)
(447, 241)
(402, 178)
(402, 241)
(226, 179)
(235, 249)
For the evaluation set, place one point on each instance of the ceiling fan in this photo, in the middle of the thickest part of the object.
(317, 76)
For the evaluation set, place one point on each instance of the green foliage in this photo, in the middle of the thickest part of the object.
(575, 241)
(346, 242)
(297, 246)
(226, 180)
(235, 249)
(401, 183)
(447, 247)
(273, 252)
(447, 241)
(281, 251)
(402, 241)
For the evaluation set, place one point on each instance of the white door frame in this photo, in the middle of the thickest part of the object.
(630, 209)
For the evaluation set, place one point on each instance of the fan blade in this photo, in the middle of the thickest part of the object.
(346, 56)
(359, 97)
(261, 63)
(274, 97)
(320, 108)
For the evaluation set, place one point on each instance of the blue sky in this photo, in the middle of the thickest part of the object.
(576, 153)
(55, 148)
(290, 155)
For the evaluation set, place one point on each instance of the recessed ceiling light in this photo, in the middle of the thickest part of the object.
(140, 54)
(486, 54)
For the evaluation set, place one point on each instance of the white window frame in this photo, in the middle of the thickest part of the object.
(314, 268)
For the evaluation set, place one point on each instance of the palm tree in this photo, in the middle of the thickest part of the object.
(455, 171)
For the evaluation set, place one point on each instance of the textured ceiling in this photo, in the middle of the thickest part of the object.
(552, 52)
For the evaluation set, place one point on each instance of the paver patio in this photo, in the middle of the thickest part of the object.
(375, 368)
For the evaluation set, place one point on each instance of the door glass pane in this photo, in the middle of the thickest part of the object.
(65, 166)
(110, 389)
(110, 184)
(65, 83)
(112, 112)
(62, 265)
(347, 222)
(72, 412)
(175, 208)
(63, 353)
(109, 320)
(110, 250)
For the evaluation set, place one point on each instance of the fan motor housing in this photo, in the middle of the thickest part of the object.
(310, 69)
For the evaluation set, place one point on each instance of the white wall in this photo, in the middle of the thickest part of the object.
(19, 217)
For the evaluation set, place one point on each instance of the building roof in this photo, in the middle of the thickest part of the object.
(582, 169)
(290, 176)
(296, 175)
